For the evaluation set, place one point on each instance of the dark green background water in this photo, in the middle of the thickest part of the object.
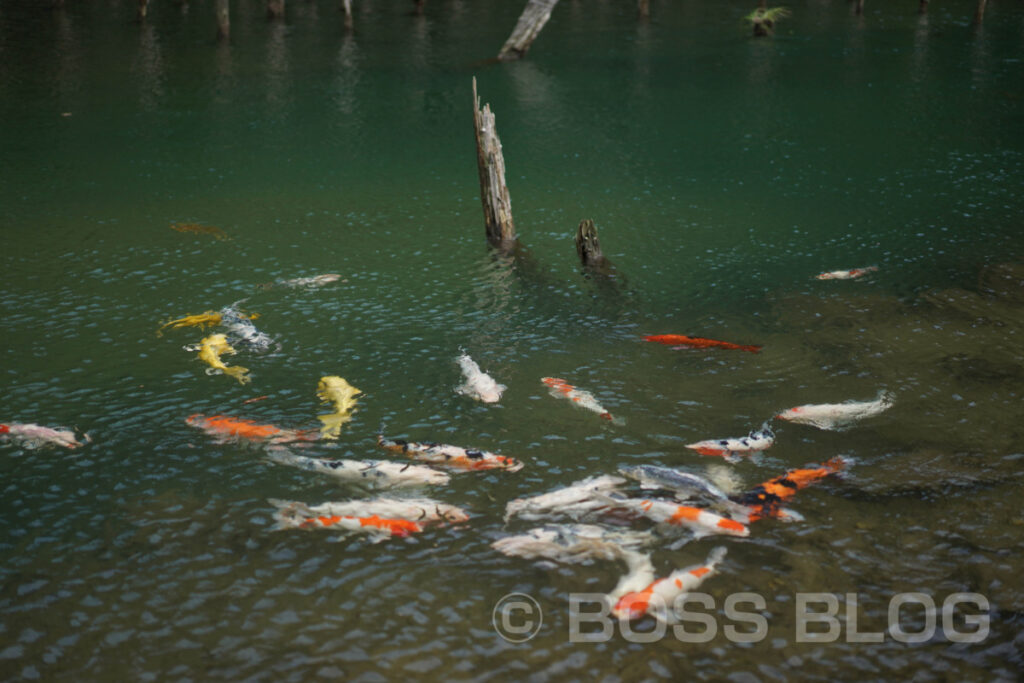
(723, 173)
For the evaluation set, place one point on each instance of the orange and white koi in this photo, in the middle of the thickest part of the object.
(559, 388)
(754, 442)
(478, 384)
(835, 416)
(226, 428)
(657, 598)
(576, 500)
(375, 474)
(454, 457)
(766, 500)
(210, 350)
(34, 436)
(846, 274)
(682, 341)
(381, 517)
(699, 520)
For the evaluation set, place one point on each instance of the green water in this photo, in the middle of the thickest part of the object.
(723, 174)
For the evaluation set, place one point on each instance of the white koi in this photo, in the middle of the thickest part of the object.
(33, 436)
(370, 473)
(575, 501)
(846, 274)
(559, 388)
(479, 384)
(658, 596)
(836, 416)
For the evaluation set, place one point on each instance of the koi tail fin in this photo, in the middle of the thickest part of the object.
(239, 373)
(289, 514)
(716, 556)
(753, 348)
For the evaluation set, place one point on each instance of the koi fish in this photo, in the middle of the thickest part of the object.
(451, 456)
(748, 445)
(380, 517)
(210, 350)
(34, 436)
(207, 319)
(573, 543)
(658, 597)
(370, 473)
(313, 281)
(682, 341)
(198, 229)
(241, 328)
(479, 384)
(664, 512)
(766, 500)
(836, 416)
(559, 388)
(343, 395)
(846, 274)
(682, 483)
(226, 428)
(575, 500)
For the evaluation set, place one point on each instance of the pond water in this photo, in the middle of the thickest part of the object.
(723, 173)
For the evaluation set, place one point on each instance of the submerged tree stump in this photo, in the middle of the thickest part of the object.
(531, 21)
(223, 20)
(501, 231)
(588, 248)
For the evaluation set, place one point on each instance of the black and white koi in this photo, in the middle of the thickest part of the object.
(370, 473)
(754, 442)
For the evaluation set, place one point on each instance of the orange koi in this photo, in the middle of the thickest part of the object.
(198, 229)
(226, 428)
(766, 500)
(682, 341)
(379, 517)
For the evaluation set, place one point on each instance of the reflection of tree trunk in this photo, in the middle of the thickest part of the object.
(140, 14)
(531, 21)
(223, 20)
(922, 8)
(275, 9)
(501, 231)
(979, 14)
(346, 7)
(419, 6)
(644, 8)
(859, 10)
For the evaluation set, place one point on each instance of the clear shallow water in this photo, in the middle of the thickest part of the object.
(723, 174)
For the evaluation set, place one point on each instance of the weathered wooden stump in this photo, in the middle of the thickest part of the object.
(223, 20)
(501, 231)
(588, 248)
(531, 21)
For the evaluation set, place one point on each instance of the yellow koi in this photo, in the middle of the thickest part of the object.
(199, 229)
(210, 351)
(202, 320)
(336, 390)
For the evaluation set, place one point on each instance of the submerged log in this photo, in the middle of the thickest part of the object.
(501, 231)
(531, 21)
(223, 20)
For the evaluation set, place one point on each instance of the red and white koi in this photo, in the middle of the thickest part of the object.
(846, 274)
(754, 442)
(455, 457)
(478, 384)
(836, 416)
(577, 500)
(699, 520)
(381, 517)
(232, 429)
(375, 474)
(657, 597)
(35, 436)
(559, 388)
